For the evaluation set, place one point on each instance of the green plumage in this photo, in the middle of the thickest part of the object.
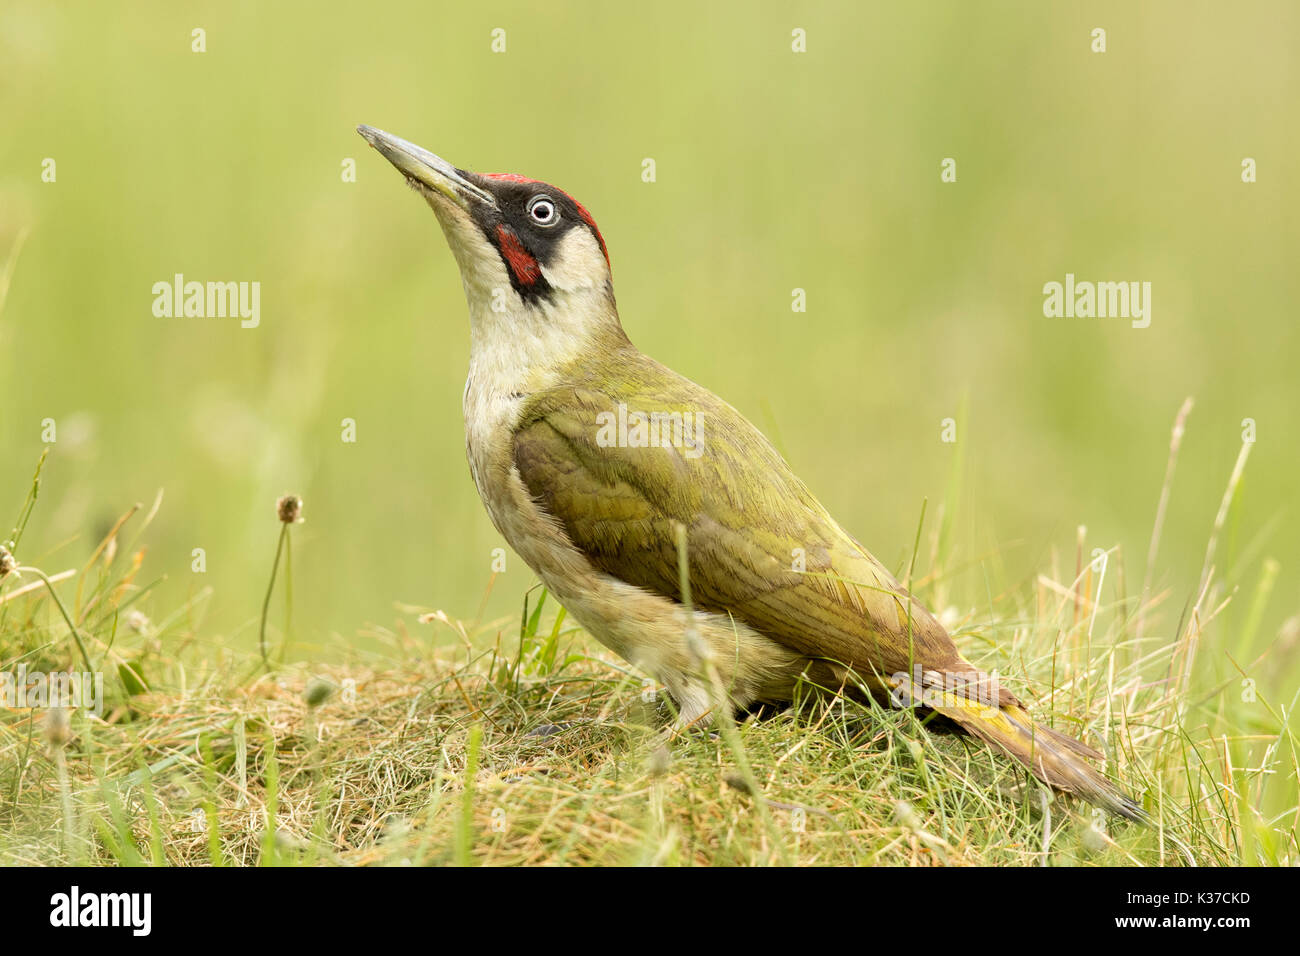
(749, 519)
(747, 516)
(594, 504)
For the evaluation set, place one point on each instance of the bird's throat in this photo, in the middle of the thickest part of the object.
(521, 348)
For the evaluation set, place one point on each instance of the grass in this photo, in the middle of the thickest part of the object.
(522, 740)
(525, 742)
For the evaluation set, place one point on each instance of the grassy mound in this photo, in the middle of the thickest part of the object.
(527, 743)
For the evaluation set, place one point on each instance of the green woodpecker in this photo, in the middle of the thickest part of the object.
(592, 458)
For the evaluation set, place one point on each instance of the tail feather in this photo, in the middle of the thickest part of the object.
(1051, 756)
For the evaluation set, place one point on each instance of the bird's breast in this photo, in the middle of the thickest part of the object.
(490, 416)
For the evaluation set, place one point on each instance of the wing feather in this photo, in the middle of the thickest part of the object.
(745, 513)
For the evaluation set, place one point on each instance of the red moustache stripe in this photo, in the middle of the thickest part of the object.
(525, 267)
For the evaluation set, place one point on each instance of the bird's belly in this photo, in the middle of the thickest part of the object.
(646, 629)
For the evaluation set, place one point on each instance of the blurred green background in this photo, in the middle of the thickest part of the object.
(775, 170)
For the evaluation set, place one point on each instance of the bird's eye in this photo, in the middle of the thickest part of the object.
(542, 210)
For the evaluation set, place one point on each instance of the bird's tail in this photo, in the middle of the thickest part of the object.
(1053, 757)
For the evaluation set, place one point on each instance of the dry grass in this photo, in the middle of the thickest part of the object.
(527, 743)
(573, 766)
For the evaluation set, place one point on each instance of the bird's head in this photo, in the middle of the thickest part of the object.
(522, 245)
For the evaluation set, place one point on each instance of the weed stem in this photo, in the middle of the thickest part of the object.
(266, 603)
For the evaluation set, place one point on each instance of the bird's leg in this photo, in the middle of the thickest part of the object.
(695, 711)
(695, 704)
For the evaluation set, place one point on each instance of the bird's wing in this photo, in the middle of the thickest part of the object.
(760, 546)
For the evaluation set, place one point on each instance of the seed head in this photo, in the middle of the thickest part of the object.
(8, 563)
(1094, 839)
(318, 691)
(289, 509)
(736, 782)
(659, 762)
(905, 814)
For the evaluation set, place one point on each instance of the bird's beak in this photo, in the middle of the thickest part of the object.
(423, 167)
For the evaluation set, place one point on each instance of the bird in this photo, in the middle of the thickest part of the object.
(610, 475)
